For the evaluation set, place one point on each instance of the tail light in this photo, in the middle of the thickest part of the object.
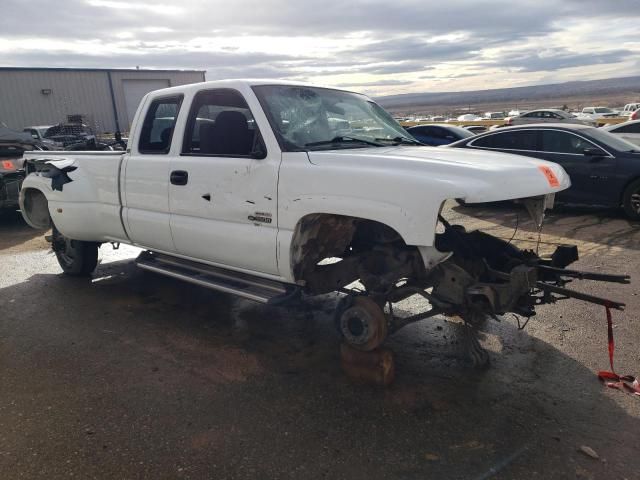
(8, 166)
(507, 121)
(635, 115)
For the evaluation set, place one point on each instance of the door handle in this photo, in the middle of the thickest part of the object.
(179, 177)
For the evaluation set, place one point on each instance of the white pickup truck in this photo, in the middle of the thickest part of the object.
(272, 189)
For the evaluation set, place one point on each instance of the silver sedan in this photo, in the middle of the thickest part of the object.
(546, 115)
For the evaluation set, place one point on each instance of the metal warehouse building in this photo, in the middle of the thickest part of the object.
(104, 99)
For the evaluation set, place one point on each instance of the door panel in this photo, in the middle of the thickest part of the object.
(146, 178)
(213, 216)
(591, 176)
(146, 188)
(226, 213)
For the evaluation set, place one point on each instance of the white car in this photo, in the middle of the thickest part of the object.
(468, 117)
(629, 108)
(493, 116)
(630, 131)
(545, 115)
(596, 113)
(268, 199)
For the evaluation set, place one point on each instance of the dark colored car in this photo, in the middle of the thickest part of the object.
(476, 129)
(436, 135)
(12, 146)
(604, 169)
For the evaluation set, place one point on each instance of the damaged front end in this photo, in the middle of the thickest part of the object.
(482, 277)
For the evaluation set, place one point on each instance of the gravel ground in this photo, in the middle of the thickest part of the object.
(131, 375)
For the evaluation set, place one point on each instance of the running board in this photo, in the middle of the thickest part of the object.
(227, 281)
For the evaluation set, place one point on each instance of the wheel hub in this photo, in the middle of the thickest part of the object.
(355, 326)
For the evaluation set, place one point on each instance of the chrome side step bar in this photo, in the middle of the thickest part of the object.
(219, 279)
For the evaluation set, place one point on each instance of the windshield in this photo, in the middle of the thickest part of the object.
(306, 118)
(603, 110)
(613, 141)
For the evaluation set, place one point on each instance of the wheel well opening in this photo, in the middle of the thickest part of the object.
(35, 208)
(331, 251)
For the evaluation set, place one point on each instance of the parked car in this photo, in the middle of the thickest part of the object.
(604, 168)
(12, 147)
(629, 108)
(493, 116)
(38, 132)
(468, 117)
(435, 135)
(545, 115)
(596, 113)
(70, 134)
(630, 131)
(475, 129)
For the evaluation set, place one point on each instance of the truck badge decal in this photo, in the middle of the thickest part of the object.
(260, 217)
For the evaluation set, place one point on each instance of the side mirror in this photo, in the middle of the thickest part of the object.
(593, 152)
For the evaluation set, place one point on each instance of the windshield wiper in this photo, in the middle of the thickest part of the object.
(400, 140)
(343, 139)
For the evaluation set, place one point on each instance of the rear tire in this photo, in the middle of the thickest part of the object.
(631, 200)
(76, 258)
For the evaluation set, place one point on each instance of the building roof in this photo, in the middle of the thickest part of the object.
(80, 69)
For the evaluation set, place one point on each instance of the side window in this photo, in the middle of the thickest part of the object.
(562, 142)
(632, 128)
(518, 140)
(220, 123)
(157, 129)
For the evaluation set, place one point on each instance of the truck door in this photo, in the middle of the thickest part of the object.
(223, 191)
(145, 185)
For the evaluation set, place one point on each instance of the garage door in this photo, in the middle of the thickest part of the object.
(134, 90)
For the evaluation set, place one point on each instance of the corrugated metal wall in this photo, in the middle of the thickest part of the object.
(87, 93)
(174, 78)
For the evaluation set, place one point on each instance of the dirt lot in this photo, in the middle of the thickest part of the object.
(130, 375)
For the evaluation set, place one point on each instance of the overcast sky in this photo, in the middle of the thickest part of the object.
(373, 46)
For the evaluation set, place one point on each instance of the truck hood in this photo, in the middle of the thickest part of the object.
(472, 175)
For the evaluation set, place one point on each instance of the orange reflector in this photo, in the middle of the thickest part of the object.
(551, 177)
(7, 165)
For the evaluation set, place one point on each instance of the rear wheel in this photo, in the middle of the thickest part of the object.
(631, 200)
(76, 258)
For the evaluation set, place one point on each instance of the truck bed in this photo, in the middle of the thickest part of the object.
(94, 214)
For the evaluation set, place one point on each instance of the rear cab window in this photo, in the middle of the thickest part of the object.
(158, 125)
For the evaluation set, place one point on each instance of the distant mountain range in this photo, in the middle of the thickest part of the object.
(625, 89)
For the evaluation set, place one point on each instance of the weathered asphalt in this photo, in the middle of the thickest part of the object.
(129, 375)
